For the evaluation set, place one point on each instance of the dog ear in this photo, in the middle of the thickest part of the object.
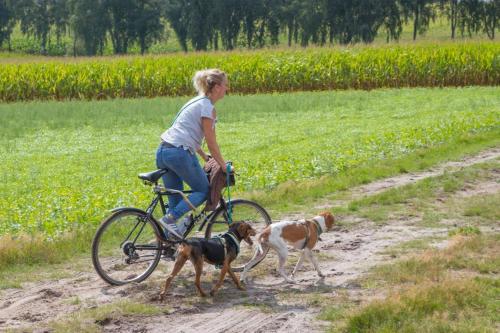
(241, 228)
(245, 230)
(329, 219)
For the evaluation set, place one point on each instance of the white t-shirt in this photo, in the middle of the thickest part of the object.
(187, 129)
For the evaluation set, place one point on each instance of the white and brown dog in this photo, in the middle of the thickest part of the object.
(301, 235)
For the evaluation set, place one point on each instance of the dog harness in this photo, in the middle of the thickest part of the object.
(216, 248)
(224, 243)
(318, 229)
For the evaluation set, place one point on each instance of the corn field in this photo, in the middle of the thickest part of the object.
(256, 72)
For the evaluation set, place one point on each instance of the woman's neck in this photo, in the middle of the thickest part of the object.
(212, 99)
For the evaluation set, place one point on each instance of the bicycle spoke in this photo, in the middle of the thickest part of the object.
(126, 248)
(242, 211)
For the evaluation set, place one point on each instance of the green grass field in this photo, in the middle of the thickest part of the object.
(65, 165)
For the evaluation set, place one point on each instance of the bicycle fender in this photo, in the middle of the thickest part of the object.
(120, 209)
(137, 210)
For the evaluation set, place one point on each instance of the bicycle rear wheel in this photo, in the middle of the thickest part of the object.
(125, 248)
(242, 211)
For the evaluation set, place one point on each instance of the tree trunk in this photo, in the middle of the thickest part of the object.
(262, 30)
(143, 44)
(296, 32)
(453, 18)
(43, 45)
(415, 23)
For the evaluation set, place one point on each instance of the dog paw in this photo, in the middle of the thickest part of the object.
(321, 275)
(212, 293)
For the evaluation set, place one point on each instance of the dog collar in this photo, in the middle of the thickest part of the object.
(320, 230)
(235, 241)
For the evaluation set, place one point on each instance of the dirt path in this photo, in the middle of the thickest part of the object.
(268, 305)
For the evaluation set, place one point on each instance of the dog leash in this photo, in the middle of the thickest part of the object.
(229, 206)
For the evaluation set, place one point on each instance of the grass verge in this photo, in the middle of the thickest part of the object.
(451, 290)
(438, 198)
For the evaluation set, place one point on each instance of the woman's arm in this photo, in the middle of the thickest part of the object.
(213, 147)
(203, 155)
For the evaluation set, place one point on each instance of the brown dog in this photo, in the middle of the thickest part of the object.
(301, 235)
(218, 250)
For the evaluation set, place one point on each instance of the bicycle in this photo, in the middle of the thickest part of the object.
(129, 244)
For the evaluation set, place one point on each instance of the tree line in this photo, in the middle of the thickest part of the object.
(226, 24)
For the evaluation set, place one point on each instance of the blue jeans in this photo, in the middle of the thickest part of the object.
(182, 166)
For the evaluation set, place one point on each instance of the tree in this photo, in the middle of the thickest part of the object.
(392, 19)
(89, 23)
(7, 21)
(470, 14)
(450, 8)
(491, 16)
(272, 22)
(310, 19)
(177, 13)
(421, 11)
(289, 11)
(253, 14)
(59, 17)
(121, 23)
(228, 24)
(359, 20)
(34, 19)
(200, 23)
(147, 25)
(370, 15)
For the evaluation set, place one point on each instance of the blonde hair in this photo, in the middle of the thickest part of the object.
(205, 80)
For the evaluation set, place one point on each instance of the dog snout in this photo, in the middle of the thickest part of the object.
(250, 232)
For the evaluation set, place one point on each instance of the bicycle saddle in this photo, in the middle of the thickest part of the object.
(153, 176)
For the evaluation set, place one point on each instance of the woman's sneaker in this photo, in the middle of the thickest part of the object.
(169, 227)
(183, 224)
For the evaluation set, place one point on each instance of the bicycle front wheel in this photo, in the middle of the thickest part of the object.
(125, 248)
(242, 211)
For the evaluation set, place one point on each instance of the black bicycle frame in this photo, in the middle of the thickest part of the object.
(159, 199)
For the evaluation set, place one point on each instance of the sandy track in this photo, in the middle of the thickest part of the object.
(344, 256)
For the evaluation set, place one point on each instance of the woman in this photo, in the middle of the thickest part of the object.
(194, 122)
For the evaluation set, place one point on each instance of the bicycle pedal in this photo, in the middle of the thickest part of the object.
(169, 254)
